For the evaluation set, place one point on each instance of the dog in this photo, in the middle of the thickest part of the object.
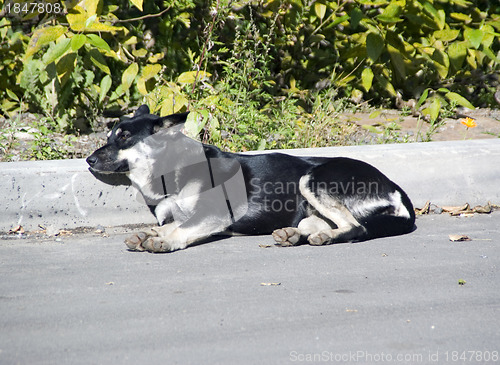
(197, 191)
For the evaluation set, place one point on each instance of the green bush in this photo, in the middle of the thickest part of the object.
(263, 74)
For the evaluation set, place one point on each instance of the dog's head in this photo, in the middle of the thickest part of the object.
(126, 135)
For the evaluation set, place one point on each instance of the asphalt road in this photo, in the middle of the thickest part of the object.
(85, 299)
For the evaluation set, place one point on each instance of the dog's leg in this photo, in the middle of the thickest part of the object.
(291, 236)
(347, 227)
(182, 236)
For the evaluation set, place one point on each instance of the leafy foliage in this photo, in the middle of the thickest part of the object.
(259, 74)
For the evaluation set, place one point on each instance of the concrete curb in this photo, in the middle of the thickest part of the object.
(64, 194)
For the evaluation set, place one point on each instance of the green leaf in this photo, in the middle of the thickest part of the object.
(105, 87)
(12, 95)
(356, 16)
(446, 35)
(320, 10)
(462, 17)
(90, 21)
(129, 75)
(367, 78)
(397, 60)
(438, 16)
(98, 59)
(262, 145)
(459, 99)
(98, 42)
(422, 98)
(56, 51)
(195, 122)
(386, 85)
(338, 20)
(474, 37)
(433, 110)
(371, 128)
(441, 63)
(65, 67)
(457, 51)
(374, 46)
(77, 41)
(391, 14)
(185, 18)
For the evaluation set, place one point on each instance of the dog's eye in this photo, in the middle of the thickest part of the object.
(125, 135)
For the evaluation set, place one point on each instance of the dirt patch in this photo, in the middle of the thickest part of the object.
(390, 126)
(23, 139)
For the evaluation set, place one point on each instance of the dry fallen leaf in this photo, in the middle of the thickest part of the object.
(458, 210)
(18, 229)
(425, 209)
(483, 209)
(64, 232)
(458, 237)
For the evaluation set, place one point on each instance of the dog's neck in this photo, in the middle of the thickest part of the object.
(165, 163)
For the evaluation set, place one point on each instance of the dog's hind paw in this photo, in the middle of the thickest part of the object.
(135, 241)
(288, 236)
(320, 238)
(160, 245)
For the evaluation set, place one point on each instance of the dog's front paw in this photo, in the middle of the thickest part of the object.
(288, 236)
(135, 241)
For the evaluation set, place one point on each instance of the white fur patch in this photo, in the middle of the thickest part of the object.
(312, 224)
(328, 206)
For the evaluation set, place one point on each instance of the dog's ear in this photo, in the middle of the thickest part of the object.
(143, 109)
(174, 119)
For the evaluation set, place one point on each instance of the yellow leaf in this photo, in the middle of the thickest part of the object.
(81, 19)
(101, 27)
(320, 10)
(367, 78)
(129, 75)
(76, 18)
(90, 7)
(156, 57)
(150, 71)
(141, 86)
(190, 76)
(137, 4)
(42, 37)
(141, 52)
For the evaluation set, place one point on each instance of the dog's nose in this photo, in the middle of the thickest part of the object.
(92, 160)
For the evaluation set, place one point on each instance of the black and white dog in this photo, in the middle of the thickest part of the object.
(196, 190)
